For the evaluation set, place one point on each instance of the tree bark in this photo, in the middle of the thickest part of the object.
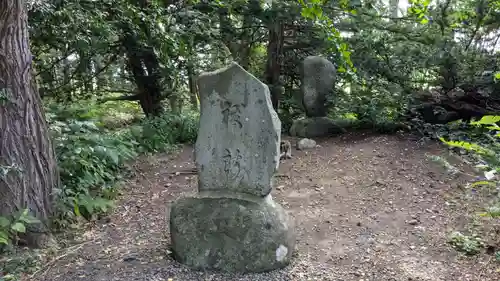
(25, 147)
(67, 77)
(394, 8)
(143, 63)
(193, 90)
(274, 60)
(101, 79)
(84, 72)
(239, 43)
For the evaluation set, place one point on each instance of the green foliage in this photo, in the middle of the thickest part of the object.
(163, 132)
(313, 10)
(110, 115)
(92, 158)
(484, 144)
(16, 264)
(470, 245)
(11, 227)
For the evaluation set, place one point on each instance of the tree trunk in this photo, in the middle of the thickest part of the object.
(274, 61)
(394, 8)
(239, 44)
(67, 77)
(143, 63)
(175, 104)
(101, 79)
(193, 90)
(25, 148)
(85, 74)
(148, 86)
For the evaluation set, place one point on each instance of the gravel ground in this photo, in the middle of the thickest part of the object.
(367, 207)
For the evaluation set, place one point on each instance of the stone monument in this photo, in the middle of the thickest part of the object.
(318, 79)
(233, 224)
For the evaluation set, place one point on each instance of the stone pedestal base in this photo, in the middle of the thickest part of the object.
(313, 127)
(231, 235)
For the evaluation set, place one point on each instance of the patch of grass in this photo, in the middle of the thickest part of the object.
(111, 115)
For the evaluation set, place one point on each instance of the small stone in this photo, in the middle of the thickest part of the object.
(413, 222)
(129, 259)
(306, 143)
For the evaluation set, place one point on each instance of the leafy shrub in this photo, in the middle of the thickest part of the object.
(11, 227)
(16, 264)
(470, 245)
(483, 142)
(92, 159)
(162, 133)
(111, 115)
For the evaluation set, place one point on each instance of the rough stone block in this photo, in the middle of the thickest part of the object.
(315, 127)
(237, 148)
(231, 235)
(318, 79)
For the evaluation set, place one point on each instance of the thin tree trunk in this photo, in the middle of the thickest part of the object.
(26, 150)
(274, 61)
(67, 77)
(193, 90)
(144, 65)
(394, 8)
(84, 72)
(101, 79)
(239, 44)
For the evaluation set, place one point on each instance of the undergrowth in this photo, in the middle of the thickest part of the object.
(479, 143)
(93, 144)
(92, 158)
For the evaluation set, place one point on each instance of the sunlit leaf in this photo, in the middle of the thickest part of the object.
(4, 223)
(479, 183)
(18, 227)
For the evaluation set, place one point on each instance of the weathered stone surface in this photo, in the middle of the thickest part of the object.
(306, 143)
(318, 79)
(237, 149)
(234, 225)
(231, 235)
(315, 127)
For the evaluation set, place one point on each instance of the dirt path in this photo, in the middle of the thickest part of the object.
(366, 208)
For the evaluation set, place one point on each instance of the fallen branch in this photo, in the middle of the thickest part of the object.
(51, 264)
(192, 171)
